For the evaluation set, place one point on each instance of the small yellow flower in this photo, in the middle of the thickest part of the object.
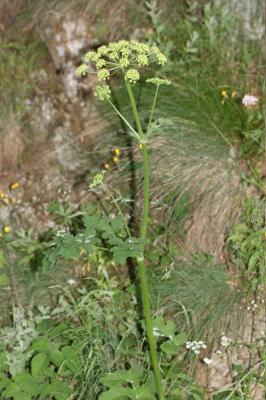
(115, 160)
(140, 146)
(5, 200)
(117, 151)
(6, 229)
(106, 166)
(224, 93)
(14, 186)
(1, 235)
(234, 94)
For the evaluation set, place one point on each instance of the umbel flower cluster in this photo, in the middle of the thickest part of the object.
(125, 56)
(196, 346)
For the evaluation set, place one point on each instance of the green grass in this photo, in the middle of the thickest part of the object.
(21, 57)
(198, 294)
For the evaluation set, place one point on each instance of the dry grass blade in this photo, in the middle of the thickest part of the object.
(11, 144)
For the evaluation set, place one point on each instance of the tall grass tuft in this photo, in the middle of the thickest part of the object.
(200, 295)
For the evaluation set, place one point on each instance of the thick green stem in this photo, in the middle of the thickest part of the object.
(134, 109)
(141, 264)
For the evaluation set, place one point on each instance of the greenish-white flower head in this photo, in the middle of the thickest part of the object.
(103, 92)
(82, 70)
(125, 56)
(103, 74)
(132, 76)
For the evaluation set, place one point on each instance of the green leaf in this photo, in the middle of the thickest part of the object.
(69, 248)
(172, 346)
(2, 361)
(57, 389)
(22, 396)
(45, 325)
(147, 390)
(41, 345)
(162, 328)
(58, 329)
(28, 384)
(4, 382)
(91, 222)
(117, 393)
(39, 363)
(180, 339)
(117, 224)
(12, 389)
(56, 357)
(72, 359)
(133, 375)
(169, 348)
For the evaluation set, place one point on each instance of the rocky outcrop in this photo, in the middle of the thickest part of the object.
(251, 14)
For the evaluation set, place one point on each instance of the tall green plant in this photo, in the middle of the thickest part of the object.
(127, 58)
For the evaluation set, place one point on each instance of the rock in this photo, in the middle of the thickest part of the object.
(67, 37)
(5, 215)
(250, 14)
(67, 153)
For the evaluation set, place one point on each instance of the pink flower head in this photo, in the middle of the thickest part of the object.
(249, 100)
